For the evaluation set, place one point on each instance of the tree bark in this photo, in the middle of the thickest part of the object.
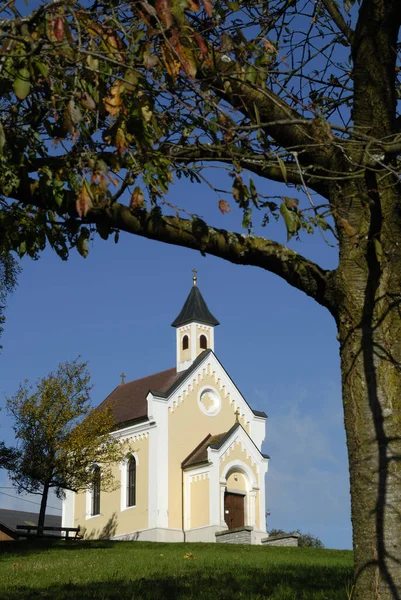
(368, 287)
(43, 504)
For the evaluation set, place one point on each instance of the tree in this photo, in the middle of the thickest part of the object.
(305, 540)
(104, 105)
(60, 437)
(9, 270)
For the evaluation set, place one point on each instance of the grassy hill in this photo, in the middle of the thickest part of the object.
(141, 570)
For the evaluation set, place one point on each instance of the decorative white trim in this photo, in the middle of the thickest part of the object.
(242, 467)
(123, 466)
(88, 497)
(134, 430)
(198, 477)
(215, 397)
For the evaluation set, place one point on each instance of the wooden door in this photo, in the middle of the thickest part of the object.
(234, 510)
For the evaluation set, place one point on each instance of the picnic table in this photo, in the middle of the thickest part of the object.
(35, 529)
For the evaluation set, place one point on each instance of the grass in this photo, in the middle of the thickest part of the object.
(100, 570)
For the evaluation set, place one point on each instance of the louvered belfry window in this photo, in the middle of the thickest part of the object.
(131, 485)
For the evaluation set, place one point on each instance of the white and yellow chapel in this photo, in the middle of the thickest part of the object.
(194, 468)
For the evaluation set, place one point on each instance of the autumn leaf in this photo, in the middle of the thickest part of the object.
(87, 101)
(187, 59)
(204, 50)
(291, 203)
(163, 9)
(121, 141)
(224, 207)
(146, 108)
(269, 47)
(172, 64)
(74, 112)
(114, 43)
(150, 60)
(84, 200)
(137, 199)
(113, 102)
(58, 28)
(208, 7)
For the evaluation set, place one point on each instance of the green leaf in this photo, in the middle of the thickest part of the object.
(82, 242)
(291, 220)
(283, 168)
(22, 249)
(22, 84)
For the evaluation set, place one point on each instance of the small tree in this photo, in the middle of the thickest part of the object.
(60, 436)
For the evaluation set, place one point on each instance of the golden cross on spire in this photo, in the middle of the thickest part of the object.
(123, 376)
(194, 278)
(237, 414)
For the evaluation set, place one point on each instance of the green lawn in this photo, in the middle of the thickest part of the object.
(142, 570)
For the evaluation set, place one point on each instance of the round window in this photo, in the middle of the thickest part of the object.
(209, 401)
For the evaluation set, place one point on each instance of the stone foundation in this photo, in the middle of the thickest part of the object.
(290, 539)
(242, 535)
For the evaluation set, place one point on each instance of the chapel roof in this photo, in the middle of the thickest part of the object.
(199, 454)
(128, 400)
(195, 309)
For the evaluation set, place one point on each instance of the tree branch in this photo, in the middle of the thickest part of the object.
(256, 163)
(312, 139)
(237, 248)
(338, 19)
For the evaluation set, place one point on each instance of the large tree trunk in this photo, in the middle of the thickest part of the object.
(369, 323)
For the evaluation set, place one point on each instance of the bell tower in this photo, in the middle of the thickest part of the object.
(194, 326)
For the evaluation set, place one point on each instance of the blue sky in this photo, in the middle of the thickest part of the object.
(115, 309)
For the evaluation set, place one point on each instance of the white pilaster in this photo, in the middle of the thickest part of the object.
(158, 466)
(67, 508)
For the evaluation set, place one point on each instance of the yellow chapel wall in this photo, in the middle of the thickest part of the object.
(112, 521)
(236, 482)
(187, 427)
(200, 491)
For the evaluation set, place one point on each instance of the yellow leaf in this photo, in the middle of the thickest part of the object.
(113, 102)
(172, 64)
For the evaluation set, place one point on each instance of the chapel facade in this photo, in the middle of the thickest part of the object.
(194, 466)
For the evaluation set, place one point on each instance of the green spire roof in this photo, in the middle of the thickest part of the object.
(195, 309)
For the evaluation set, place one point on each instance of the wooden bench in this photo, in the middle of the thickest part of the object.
(35, 529)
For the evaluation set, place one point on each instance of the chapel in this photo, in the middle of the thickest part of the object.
(194, 468)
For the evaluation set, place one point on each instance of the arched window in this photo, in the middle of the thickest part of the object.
(185, 342)
(96, 491)
(203, 342)
(131, 482)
